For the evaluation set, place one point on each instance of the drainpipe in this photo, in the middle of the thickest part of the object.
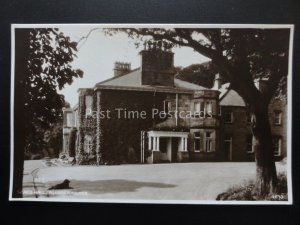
(176, 110)
(142, 146)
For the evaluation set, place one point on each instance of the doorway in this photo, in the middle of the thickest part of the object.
(228, 148)
(175, 142)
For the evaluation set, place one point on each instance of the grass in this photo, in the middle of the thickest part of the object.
(245, 192)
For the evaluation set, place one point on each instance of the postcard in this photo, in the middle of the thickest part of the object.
(151, 113)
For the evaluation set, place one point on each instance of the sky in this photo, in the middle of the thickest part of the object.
(98, 53)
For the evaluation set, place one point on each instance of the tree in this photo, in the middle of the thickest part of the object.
(200, 74)
(240, 56)
(42, 66)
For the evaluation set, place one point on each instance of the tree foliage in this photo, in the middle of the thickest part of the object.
(200, 74)
(48, 68)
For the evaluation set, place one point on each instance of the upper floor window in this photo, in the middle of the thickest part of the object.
(88, 104)
(69, 119)
(198, 106)
(228, 117)
(208, 107)
(167, 106)
(277, 118)
(76, 118)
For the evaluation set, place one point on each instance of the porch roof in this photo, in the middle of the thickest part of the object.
(154, 133)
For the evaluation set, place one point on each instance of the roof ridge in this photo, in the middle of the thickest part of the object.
(112, 78)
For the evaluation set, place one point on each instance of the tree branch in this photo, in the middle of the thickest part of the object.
(84, 38)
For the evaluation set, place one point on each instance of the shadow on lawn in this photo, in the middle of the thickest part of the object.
(114, 186)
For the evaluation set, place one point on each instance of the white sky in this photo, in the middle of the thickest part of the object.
(97, 55)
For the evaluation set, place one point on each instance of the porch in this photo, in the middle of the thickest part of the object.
(166, 146)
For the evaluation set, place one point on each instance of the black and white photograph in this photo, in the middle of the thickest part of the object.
(151, 113)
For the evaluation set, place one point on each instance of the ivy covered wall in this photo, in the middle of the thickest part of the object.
(120, 136)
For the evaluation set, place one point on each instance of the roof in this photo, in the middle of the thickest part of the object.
(184, 84)
(231, 98)
(76, 106)
(223, 90)
(133, 81)
(146, 88)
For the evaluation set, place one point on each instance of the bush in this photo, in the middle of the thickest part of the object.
(247, 193)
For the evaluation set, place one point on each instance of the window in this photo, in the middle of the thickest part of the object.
(249, 144)
(208, 107)
(197, 142)
(167, 106)
(88, 104)
(277, 145)
(277, 118)
(199, 109)
(69, 120)
(198, 106)
(228, 117)
(87, 144)
(208, 141)
(76, 118)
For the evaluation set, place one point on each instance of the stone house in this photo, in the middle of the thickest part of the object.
(147, 115)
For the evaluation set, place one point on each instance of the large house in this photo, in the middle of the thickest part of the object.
(147, 115)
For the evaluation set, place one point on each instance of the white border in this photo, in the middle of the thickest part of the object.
(204, 202)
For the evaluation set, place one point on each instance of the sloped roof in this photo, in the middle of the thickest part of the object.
(184, 84)
(133, 81)
(223, 90)
(231, 98)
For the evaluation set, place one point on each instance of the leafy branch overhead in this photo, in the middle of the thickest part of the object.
(237, 53)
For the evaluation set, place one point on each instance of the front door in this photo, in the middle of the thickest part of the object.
(174, 149)
(228, 149)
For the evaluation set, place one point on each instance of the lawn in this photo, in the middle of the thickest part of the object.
(181, 181)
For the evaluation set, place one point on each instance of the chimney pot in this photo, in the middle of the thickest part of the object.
(121, 68)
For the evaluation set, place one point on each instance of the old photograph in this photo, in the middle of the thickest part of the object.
(151, 113)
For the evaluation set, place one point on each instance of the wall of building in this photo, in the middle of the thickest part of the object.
(186, 110)
(238, 130)
(200, 153)
(122, 131)
(279, 130)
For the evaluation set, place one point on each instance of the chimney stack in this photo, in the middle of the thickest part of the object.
(121, 68)
(217, 82)
(157, 64)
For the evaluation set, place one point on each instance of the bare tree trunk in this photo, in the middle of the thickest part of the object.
(266, 176)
